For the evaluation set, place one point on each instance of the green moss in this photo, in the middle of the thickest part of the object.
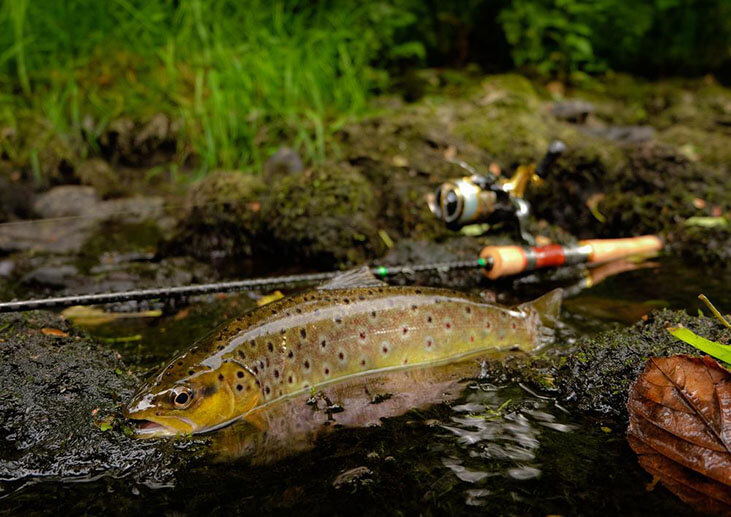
(327, 214)
(711, 147)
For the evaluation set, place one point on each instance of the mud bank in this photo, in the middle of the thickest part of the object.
(60, 393)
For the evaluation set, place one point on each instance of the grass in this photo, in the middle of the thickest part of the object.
(242, 77)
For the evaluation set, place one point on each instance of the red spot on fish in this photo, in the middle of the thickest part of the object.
(514, 326)
(405, 330)
(487, 325)
(472, 339)
(362, 335)
(289, 380)
(448, 325)
(428, 319)
(468, 310)
(362, 362)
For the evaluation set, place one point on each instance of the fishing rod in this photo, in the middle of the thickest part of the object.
(495, 261)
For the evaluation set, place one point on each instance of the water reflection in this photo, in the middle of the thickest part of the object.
(491, 434)
(498, 432)
(294, 425)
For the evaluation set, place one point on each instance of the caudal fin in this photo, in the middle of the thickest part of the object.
(548, 307)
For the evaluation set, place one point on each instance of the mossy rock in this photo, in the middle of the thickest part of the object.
(221, 217)
(99, 174)
(326, 215)
(711, 147)
(595, 375)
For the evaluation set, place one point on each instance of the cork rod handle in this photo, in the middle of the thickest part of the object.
(604, 250)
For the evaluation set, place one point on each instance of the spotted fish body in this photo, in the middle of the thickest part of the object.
(330, 334)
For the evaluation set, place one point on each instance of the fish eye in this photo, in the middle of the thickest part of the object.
(181, 397)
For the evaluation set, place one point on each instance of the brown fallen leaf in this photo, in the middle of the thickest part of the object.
(680, 428)
(47, 331)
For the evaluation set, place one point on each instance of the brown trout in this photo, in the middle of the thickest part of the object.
(353, 325)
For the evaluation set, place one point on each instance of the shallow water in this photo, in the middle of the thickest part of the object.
(424, 442)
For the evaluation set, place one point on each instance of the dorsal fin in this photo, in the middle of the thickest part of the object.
(359, 277)
(548, 307)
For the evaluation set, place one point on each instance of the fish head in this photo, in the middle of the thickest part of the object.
(183, 399)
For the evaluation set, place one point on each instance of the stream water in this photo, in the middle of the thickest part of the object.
(426, 442)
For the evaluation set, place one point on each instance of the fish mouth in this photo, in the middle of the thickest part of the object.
(158, 428)
(149, 429)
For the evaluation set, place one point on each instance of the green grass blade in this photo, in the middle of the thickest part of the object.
(717, 350)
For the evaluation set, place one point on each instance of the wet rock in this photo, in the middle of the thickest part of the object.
(99, 174)
(67, 201)
(282, 163)
(572, 110)
(56, 390)
(113, 272)
(623, 134)
(73, 215)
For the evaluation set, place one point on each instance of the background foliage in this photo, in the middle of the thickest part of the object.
(243, 76)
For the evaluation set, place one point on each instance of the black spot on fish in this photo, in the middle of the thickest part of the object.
(346, 301)
(341, 356)
(180, 363)
(373, 314)
(220, 347)
(255, 369)
(323, 343)
(362, 362)
(370, 292)
(239, 374)
(191, 372)
(303, 333)
(413, 307)
(468, 310)
(307, 364)
(252, 343)
(418, 291)
(209, 390)
(298, 310)
(268, 390)
(270, 346)
(282, 331)
(276, 374)
(242, 355)
(239, 387)
(220, 377)
(362, 335)
(167, 374)
(361, 297)
(429, 319)
(290, 354)
(327, 371)
(289, 379)
(338, 320)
